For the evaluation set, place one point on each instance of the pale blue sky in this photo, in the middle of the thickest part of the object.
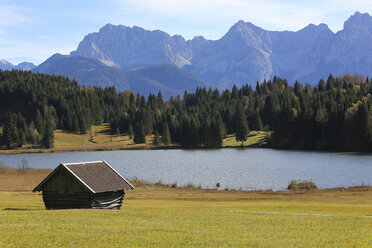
(33, 30)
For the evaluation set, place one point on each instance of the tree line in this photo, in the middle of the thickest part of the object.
(333, 115)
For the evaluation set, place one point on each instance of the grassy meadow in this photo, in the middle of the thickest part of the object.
(103, 140)
(158, 216)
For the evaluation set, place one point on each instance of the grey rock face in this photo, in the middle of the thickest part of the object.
(245, 54)
(351, 51)
(136, 47)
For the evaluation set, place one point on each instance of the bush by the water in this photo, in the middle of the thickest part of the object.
(301, 185)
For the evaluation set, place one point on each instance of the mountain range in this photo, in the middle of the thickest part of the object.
(24, 66)
(149, 61)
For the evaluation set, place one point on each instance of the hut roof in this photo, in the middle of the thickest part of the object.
(96, 176)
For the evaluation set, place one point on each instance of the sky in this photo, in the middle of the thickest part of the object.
(34, 30)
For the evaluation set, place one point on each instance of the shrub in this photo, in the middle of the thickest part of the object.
(160, 184)
(301, 185)
(190, 185)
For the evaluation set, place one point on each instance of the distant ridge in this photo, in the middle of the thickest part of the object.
(24, 66)
(168, 79)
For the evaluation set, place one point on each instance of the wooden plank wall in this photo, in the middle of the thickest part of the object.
(63, 191)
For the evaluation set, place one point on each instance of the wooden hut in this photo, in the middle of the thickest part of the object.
(83, 185)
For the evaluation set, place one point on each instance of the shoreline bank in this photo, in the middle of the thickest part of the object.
(119, 148)
(16, 180)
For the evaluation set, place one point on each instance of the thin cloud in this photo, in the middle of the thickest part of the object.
(269, 14)
(17, 51)
(12, 16)
(273, 14)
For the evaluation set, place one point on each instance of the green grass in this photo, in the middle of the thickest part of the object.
(255, 138)
(164, 217)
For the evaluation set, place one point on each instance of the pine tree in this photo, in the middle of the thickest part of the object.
(166, 134)
(117, 132)
(241, 129)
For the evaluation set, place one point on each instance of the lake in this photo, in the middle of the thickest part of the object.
(247, 169)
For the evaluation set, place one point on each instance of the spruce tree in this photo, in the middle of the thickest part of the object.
(10, 133)
(159, 100)
(48, 137)
(156, 141)
(21, 138)
(218, 132)
(139, 134)
(83, 125)
(130, 131)
(364, 128)
(258, 126)
(39, 122)
(166, 134)
(76, 127)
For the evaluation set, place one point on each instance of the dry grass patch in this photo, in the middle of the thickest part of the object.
(99, 138)
(13, 180)
(178, 217)
(165, 216)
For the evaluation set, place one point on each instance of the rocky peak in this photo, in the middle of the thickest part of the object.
(311, 28)
(242, 27)
(358, 21)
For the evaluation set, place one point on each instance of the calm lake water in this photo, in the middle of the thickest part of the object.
(247, 169)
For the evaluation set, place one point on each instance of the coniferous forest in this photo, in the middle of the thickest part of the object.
(334, 115)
